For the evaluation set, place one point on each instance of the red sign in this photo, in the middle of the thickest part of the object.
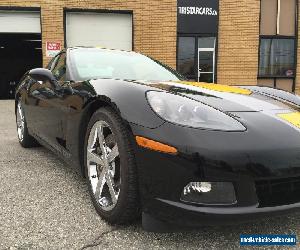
(52, 48)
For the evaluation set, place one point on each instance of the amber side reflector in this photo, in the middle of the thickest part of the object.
(154, 145)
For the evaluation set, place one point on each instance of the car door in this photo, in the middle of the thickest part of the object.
(48, 107)
(36, 106)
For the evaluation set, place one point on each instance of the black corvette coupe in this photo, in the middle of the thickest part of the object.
(150, 143)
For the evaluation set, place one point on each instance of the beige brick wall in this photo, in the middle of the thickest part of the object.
(298, 56)
(238, 41)
(154, 22)
(155, 31)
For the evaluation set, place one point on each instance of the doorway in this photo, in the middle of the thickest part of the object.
(196, 57)
(113, 30)
(206, 59)
(18, 53)
(20, 47)
(206, 65)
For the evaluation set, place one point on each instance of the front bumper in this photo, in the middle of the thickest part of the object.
(165, 216)
(246, 159)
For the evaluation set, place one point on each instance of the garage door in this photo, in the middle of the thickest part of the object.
(20, 22)
(20, 48)
(109, 30)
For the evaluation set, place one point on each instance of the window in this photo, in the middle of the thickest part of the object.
(93, 63)
(278, 17)
(206, 42)
(52, 63)
(287, 18)
(268, 20)
(59, 70)
(278, 44)
(277, 58)
(186, 56)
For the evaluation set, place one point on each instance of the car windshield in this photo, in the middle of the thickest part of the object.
(92, 63)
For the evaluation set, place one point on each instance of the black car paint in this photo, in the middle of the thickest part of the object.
(269, 149)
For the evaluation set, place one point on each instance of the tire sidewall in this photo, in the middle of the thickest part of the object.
(26, 137)
(109, 117)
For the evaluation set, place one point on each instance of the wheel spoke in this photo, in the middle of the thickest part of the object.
(102, 165)
(113, 154)
(20, 110)
(92, 139)
(109, 182)
(100, 184)
(92, 157)
(20, 122)
(21, 113)
(101, 139)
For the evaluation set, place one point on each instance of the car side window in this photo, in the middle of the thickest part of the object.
(59, 68)
(51, 63)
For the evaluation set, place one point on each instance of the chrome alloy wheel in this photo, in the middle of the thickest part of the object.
(20, 121)
(103, 163)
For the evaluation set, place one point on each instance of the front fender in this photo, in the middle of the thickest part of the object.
(129, 100)
(126, 98)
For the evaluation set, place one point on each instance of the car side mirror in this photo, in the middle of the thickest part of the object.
(41, 74)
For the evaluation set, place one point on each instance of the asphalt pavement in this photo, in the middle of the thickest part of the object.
(44, 204)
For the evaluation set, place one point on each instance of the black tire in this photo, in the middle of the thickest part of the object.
(127, 208)
(27, 141)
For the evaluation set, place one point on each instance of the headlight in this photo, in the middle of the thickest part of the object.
(187, 112)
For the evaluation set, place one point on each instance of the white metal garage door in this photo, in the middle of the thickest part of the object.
(109, 30)
(20, 22)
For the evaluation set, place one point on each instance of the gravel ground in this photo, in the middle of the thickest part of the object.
(44, 204)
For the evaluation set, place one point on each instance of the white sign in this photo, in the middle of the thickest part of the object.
(52, 48)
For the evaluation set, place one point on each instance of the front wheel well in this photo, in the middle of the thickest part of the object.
(90, 109)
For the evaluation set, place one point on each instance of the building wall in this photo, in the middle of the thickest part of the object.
(155, 23)
(297, 90)
(238, 41)
(155, 31)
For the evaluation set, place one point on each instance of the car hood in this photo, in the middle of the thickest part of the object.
(232, 98)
